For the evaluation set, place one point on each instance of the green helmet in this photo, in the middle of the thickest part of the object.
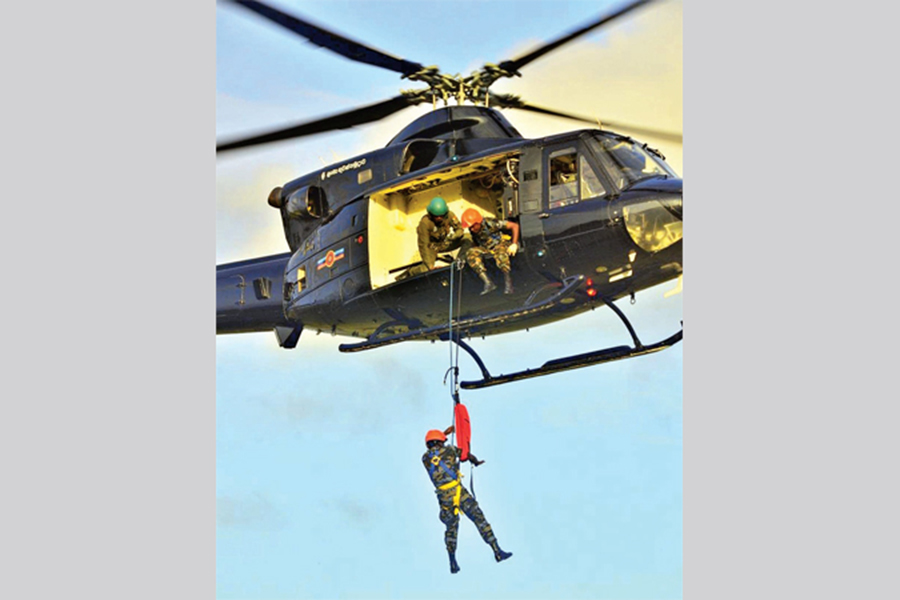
(437, 207)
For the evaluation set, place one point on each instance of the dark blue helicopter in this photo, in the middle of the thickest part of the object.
(600, 216)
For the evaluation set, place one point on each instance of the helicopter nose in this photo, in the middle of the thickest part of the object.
(655, 224)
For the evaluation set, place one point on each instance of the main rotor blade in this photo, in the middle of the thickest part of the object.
(509, 101)
(332, 41)
(365, 114)
(512, 66)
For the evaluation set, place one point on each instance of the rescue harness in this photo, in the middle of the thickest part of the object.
(436, 462)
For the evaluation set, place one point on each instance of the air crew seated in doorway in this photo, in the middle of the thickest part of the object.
(487, 235)
(438, 231)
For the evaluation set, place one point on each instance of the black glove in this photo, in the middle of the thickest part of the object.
(474, 460)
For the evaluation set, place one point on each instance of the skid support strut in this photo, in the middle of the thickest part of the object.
(570, 362)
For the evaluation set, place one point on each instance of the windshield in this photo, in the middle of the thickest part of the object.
(628, 161)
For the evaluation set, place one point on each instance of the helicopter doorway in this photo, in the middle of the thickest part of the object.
(393, 219)
(394, 214)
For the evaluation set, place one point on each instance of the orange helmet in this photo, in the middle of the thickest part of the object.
(471, 216)
(435, 434)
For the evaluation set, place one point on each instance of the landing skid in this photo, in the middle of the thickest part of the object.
(570, 362)
(464, 327)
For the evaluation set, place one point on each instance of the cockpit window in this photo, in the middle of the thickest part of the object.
(590, 183)
(628, 161)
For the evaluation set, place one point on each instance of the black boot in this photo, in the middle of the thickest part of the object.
(488, 284)
(507, 283)
(454, 568)
(499, 554)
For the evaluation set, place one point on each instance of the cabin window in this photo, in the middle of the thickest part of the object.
(307, 203)
(262, 286)
(294, 283)
(301, 279)
(563, 178)
(418, 155)
(572, 179)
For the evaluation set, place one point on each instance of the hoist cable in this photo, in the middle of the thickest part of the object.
(454, 352)
(458, 312)
(454, 390)
(452, 369)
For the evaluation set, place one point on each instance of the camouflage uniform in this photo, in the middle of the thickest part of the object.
(489, 241)
(438, 462)
(434, 239)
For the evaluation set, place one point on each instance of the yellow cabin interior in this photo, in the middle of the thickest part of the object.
(394, 213)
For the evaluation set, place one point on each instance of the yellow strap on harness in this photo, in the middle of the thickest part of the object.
(456, 496)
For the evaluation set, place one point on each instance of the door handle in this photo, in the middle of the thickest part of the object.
(544, 215)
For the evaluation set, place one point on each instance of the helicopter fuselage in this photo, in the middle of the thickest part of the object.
(584, 208)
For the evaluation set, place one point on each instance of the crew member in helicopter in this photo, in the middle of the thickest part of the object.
(438, 231)
(488, 239)
(442, 464)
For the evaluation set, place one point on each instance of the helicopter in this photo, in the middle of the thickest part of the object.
(600, 215)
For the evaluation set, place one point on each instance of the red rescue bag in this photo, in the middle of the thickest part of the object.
(463, 430)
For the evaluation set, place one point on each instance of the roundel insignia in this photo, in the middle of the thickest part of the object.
(331, 257)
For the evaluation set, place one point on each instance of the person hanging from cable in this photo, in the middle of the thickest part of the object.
(487, 235)
(442, 463)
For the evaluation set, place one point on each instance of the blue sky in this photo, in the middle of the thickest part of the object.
(319, 485)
